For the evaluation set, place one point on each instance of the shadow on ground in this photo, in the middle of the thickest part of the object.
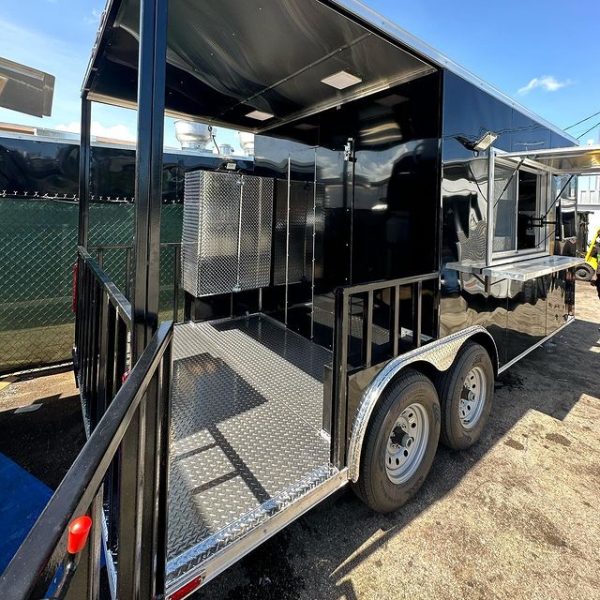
(46, 440)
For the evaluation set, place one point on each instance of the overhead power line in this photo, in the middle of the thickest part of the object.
(582, 121)
(588, 130)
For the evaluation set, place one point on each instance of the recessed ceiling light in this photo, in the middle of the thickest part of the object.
(259, 115)
(341, 80)
(380, 206)
(391, 100)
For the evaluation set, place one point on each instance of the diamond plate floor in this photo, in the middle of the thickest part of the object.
(247, 401)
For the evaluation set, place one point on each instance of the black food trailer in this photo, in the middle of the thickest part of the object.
(350, 295)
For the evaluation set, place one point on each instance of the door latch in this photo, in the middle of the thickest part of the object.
(349, 151)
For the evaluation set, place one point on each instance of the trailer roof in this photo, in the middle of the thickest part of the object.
(228, 58)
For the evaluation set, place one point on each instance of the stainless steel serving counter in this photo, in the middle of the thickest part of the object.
(523, 270)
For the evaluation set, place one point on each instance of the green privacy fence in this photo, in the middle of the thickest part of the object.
(38, 239)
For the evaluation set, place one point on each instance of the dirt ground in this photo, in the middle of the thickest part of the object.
(514, 517)
(40, 423)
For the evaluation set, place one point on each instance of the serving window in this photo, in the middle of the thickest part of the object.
(520, 211)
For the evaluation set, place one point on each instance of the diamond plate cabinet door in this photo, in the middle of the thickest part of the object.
(226, 238)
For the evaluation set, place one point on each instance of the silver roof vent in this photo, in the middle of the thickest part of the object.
(193, 136)
(246, 142)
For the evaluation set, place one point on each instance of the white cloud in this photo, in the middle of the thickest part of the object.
(548, 83)
(116, 132)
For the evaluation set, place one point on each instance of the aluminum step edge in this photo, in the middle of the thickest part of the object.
(209, 558)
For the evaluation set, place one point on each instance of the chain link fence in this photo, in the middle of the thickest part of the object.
(38, 240)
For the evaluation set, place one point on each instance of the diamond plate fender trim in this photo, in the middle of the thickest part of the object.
(440, 353)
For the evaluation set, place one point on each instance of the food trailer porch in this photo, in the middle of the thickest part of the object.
(247, 433)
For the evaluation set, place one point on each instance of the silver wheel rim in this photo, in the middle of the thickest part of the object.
(472, 398)
(407, 444)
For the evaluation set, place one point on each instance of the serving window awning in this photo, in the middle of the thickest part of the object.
(252, 65)
(573, 160)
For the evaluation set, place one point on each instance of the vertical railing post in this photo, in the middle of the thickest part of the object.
(94, 545)
(130, 509)
(340, 368)
(127, 292)
(137, 539)
(396, 324)
(84, 170)
(96, 356)
(417, 294)
(368, 330)
(81, 329)
(177, 268)
(84, 211)
(162, 472)
(148, 171)
(104, 342)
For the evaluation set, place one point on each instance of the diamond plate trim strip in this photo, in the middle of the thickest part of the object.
(440, 354)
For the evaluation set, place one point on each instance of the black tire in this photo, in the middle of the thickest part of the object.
(584, 272)
(374, 487)
(456, 433)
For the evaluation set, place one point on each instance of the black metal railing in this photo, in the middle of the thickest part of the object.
(120, 258)
(363, 295)
(102, 337)
(142, 399)
(120, 477)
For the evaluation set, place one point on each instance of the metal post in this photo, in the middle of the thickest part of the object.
(287, 240)
(396, 321)
(490, 208)
(340, 367)
(148, 170)
(368, 329)
(417, 292)
(239, 238)
(314, 240)
(84, 171)
(84, 204)
(138, 514)
(177, 269)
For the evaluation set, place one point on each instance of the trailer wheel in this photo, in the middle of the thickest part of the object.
(400, 443)
(584, 272)
(466, 393)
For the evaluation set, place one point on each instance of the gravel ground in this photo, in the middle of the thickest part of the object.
(514, 517)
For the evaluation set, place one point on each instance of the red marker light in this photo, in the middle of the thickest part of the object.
(187, 589)
(79, 530)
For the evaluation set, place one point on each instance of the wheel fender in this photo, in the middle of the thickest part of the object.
(440, 354)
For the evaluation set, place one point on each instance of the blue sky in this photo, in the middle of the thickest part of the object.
(545, 54)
